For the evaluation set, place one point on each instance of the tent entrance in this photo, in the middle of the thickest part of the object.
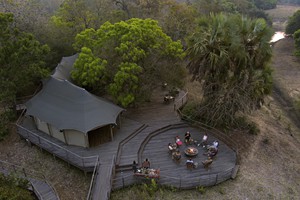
(99, 136)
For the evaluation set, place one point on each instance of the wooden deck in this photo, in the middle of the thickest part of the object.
(41, 188)
(145, 133)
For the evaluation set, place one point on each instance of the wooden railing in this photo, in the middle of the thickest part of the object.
(82, 162)
(180, 102)
(92, 183)
(220, 135)
(21, 172)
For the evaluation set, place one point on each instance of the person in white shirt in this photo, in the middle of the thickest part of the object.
(204, 140)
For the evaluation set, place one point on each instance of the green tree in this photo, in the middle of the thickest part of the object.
(126, 83)
(89, 71)
(127, 46)
(296, 36)
(293, 23)
(179, 20)
(229, 55)
(21, 65)
(265, 4)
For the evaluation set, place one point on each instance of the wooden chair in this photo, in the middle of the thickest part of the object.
(190, 165)
(176, 156)
(207, 162)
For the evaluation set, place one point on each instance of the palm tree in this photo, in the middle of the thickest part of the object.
(229, 55)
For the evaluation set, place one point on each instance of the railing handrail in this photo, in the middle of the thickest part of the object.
(93, 178)
(211, 128)
(31, 173)
(180, 100)
(28, 173)
(202, 125)
(76, 155)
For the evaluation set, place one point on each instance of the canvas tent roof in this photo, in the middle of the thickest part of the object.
(67, 106)
(63, 69)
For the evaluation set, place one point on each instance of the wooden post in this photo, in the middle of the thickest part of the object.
(180, 183)
(122, 179)
(111, 133)
(216, 179)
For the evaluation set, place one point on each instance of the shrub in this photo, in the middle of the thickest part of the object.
(14, 188)
(201, 189)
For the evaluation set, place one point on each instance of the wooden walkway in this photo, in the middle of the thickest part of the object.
(42, 189)
(145, 133)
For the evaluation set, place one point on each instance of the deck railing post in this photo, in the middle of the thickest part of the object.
(180, 182)
(122, 179)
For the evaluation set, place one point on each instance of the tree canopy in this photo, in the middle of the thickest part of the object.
(296, 36)
(229, 55)
(21, 60)
(22, 66)
(127, 59)
(293, 23)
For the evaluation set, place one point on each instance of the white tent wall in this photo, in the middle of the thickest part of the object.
(57, 133)
(77, 138)
(42, 126)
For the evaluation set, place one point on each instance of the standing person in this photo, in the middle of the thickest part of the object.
(134, 167)
(146, 164)
(187, 137)
(204, 140)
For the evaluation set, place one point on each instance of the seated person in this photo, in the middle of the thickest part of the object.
(216, 143)
(146, 164)
(207, 162)
(187, 137)
(172, 147)
(176, 155)
(178, 141)
(212, 151)
(189, 163)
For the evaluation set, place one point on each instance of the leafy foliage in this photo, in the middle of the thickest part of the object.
(293, 23)
(296, 36)
(21, 66)
(89, 70)
(129, 57)
(21, 60)
(265, 4)
(229, 55)
(12, 187)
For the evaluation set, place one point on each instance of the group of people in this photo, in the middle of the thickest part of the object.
(145, 165)
(211, 150)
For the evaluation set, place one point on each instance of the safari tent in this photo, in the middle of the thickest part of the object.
(70, 113)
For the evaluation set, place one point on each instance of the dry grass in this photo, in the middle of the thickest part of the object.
(280, 15)
(70, 183)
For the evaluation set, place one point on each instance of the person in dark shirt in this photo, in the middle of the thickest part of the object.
(134, 166)
(146, 164)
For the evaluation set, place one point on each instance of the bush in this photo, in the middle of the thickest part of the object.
(12, 187)
(201, 189)
(190, 111)
(5, 118)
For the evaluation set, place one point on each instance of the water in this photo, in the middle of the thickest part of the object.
(277, 36)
